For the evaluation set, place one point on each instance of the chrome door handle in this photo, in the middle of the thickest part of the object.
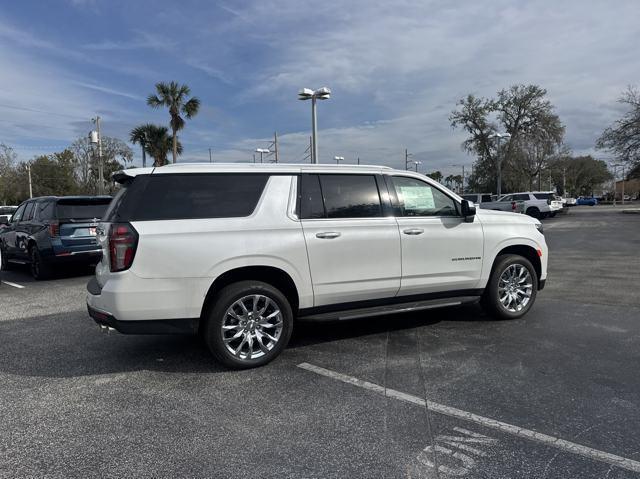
(413, 231)
(328, 235)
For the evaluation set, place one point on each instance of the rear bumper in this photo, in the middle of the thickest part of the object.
(153, 326)
(90, 255)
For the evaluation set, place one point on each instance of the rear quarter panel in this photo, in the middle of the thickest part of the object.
(199, 250)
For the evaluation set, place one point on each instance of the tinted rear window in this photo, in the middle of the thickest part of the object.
(191, 196)
(543, 196)
(473, 198)
(82, 209)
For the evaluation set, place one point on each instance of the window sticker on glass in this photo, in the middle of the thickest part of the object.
(417, 198)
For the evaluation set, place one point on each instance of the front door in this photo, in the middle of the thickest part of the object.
(440, 251)
(353, 248)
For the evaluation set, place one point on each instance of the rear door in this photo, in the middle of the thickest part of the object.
(440, 251)
(352, 240)
(23, 231)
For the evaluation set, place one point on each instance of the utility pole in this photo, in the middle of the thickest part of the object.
(358, 160)
(30, 187)
(622, 184)
(406, 159)
(210, 159)
(462, 187)
(615, 189)
(564, 181)
(254, 157)
(96, 120)
(275, 144)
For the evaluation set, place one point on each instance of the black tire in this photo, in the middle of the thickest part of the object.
(217, 313)
(40, 269)
(491, 296)
(533, 212)
(553, 215)
(4, 261)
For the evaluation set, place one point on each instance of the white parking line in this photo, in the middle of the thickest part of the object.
(15, 285)
(545, 439)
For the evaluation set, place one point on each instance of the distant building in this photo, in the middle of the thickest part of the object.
(631, 188)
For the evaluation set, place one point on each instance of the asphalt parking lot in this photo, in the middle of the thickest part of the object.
(446, 393)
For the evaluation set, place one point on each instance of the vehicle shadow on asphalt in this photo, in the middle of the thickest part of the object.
(19, 273)
(70, 345)
(308, 333)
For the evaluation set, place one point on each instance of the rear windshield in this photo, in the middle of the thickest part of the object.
(82, 208)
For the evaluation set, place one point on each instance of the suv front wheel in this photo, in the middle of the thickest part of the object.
(512, 287)
(248, 325)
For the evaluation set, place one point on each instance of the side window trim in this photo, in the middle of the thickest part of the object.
(456, 204)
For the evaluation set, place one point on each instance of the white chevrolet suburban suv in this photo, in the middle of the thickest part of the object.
(238, 253)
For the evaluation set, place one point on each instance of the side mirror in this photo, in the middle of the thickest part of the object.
(468, 211)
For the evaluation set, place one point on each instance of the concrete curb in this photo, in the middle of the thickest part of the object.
(635, 211)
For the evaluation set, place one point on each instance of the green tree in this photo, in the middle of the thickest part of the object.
(116, 154)
(8, 186)
(436, 175)
(159, 144)
(527, 115)
(54, 174)
(582, 174)
(623, 137)
(174, 96)
(140, 135)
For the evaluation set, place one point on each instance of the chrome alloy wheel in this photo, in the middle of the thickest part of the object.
(252, 326)
(515, 287)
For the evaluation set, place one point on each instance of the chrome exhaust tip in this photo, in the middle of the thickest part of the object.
(106, 329)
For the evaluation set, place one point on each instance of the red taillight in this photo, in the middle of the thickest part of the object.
(54, 228)
(123, 240)
(513, 205)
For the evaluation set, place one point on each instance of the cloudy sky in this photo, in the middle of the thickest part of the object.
(396, 69)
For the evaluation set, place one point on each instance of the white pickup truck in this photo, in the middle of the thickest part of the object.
(538, 204)
(487, 201)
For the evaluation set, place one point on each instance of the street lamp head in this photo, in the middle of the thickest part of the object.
(305, 94)
(323, 93)
(262, 150)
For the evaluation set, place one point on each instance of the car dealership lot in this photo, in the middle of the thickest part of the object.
(344, 399)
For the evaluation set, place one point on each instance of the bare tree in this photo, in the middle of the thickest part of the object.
(623, 137)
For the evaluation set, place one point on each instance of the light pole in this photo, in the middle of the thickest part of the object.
(462, 185)
(97, 139)
(498, 137)
(262, 151)
(416, 163)
(338, 159)
(320, 94)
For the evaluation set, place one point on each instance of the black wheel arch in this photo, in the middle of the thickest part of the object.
(525, 251)
(276, 277)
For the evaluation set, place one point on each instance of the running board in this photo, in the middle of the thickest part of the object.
(389, 309)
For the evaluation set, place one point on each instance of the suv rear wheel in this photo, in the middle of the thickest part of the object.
(512, 287)
(248, 325)
(39, 268)
(533, 212)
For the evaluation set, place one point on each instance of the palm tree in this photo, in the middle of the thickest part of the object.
(159, 144)
(174, 96)
(140, 135)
